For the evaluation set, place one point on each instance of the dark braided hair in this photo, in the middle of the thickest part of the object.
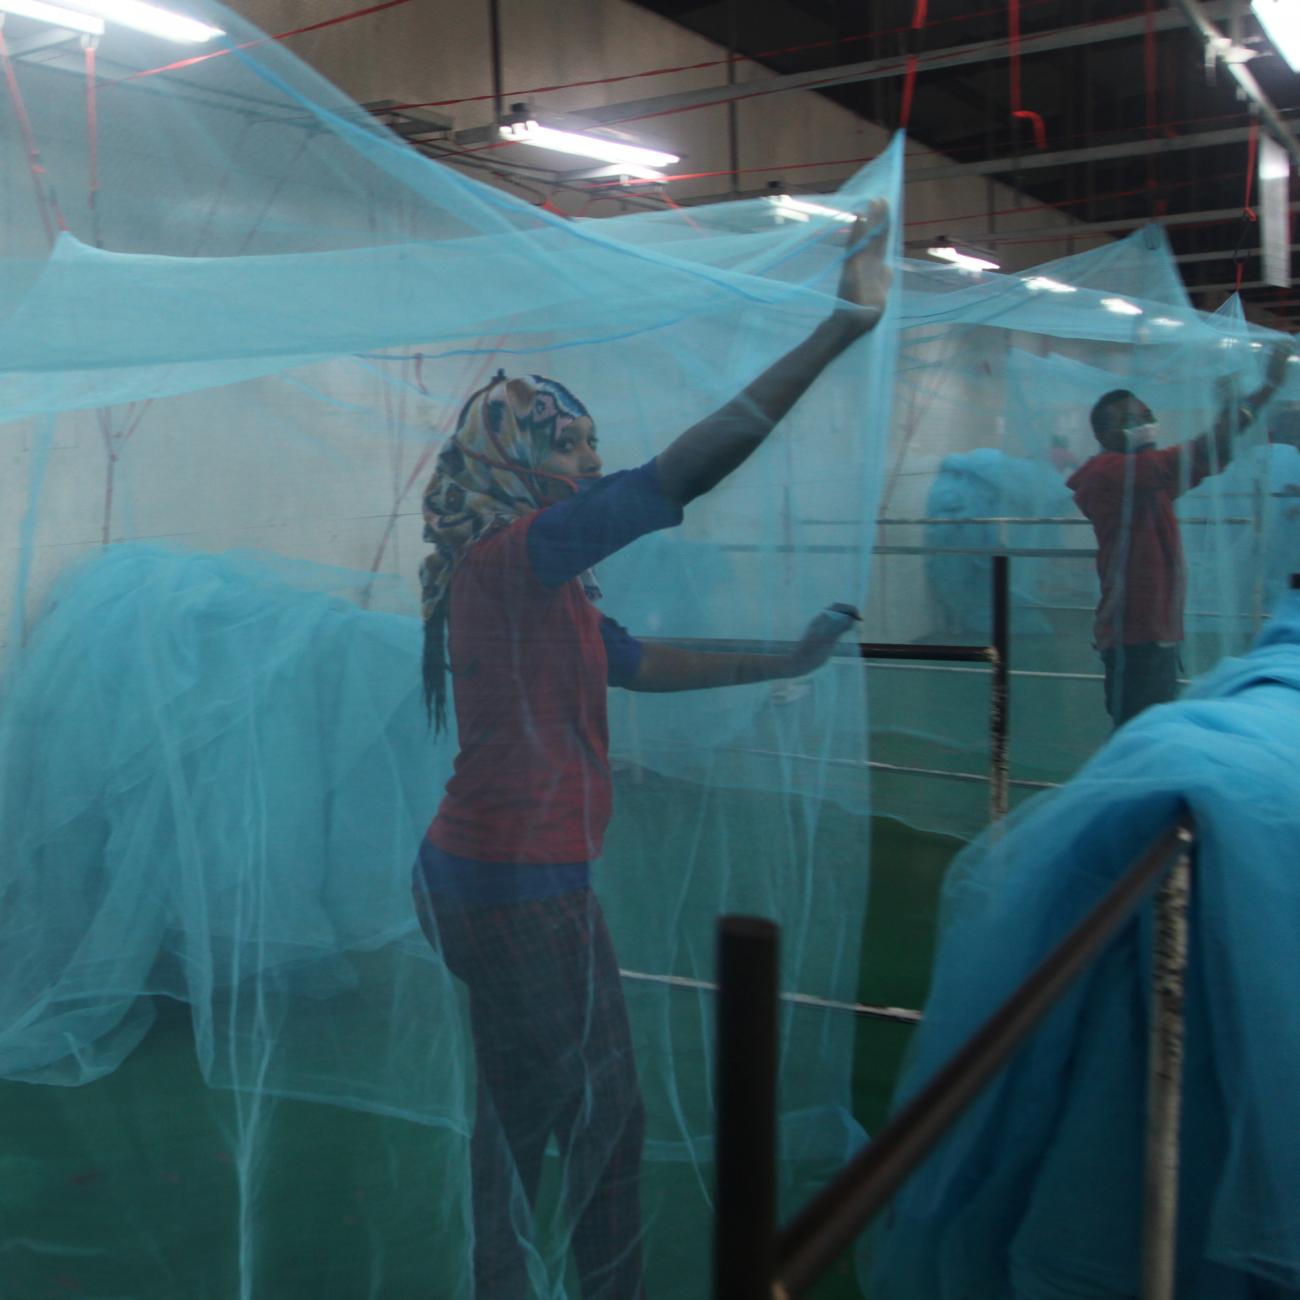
(434, 667)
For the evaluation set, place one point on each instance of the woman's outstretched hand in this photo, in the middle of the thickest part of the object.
(819, 639)
(866, 277)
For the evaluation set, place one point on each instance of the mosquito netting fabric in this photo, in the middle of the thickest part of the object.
(996, 384)
(237, 323)
(228, 369)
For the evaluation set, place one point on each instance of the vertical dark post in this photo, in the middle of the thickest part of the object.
(494, 52)
(1165, 1080)
(744, 1233)
(1295, 582)
(733, 124)
(1000, 692)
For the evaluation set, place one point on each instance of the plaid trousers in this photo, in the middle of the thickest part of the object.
(554, 1056)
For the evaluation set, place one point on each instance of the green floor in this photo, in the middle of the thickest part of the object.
(129, 1188)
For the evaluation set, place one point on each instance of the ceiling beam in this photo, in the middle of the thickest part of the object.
(1224, 255)
(886, 69)
(1228, 286)
(1217, 45)
(1092, 153)
(1083, 229)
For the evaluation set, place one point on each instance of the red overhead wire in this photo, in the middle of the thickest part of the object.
(51, 216)
(1252, 153)
(264, 40)
(1017, 109)
(1247, 212)
(677, 207)
(92, 139)
(919, 13)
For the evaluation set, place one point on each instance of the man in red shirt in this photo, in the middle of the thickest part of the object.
(1127, 491)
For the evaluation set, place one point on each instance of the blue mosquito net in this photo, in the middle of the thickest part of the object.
(239, 322)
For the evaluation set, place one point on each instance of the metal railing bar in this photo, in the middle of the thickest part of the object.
(878, 765)
(868, 1010)
(1164, 1082)
(837, 1214)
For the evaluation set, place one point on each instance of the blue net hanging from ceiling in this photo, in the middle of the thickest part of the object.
(239, 323)
(250, 1058)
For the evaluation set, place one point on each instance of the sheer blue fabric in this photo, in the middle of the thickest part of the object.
(223, 384)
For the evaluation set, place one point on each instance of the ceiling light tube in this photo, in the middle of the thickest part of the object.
(1280, 20)
(56, 15)
(583, 145)
(1048, 285)
(802, 210)
(623, 171)
(167, 23)
(1121, 306)
(966, 261)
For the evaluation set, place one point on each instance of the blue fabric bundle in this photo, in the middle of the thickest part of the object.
(1037, 1193)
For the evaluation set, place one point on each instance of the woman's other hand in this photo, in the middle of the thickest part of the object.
(820, 638)
(866, 277)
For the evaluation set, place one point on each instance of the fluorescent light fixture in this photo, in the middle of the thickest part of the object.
(1280, 20)
(54, 14)
(166, 23)
(1167, 321)
(966, 261)
(1047, 285)
(1121, 306)
(802, 210)
(624, 170)
(583, 145)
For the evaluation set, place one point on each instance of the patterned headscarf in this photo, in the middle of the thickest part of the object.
(487, 476)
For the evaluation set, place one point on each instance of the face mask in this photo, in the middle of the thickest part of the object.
(1141, 435)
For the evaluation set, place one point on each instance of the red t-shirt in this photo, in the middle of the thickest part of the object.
(1129, 500)
(528, 671)
(531, 658)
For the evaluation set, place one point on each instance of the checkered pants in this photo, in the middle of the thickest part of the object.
(554, 1057)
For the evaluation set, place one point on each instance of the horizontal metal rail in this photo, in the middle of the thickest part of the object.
(867, 1010)
(875, 650)
(878, 765)
(1070, 521)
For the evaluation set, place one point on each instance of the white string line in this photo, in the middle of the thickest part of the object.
(901, 1015)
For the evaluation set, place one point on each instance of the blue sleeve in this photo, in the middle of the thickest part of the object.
(622, 650)
(567, 539)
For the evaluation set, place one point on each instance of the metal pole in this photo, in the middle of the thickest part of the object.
(494, 55)
(1000, 692)
(744, 1241)
(1164, 1083)
(733, 122)
(829, 1222)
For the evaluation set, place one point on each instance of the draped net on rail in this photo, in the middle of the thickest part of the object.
(233, 1063)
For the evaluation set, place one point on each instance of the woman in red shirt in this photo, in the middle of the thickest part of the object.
(518, 513)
